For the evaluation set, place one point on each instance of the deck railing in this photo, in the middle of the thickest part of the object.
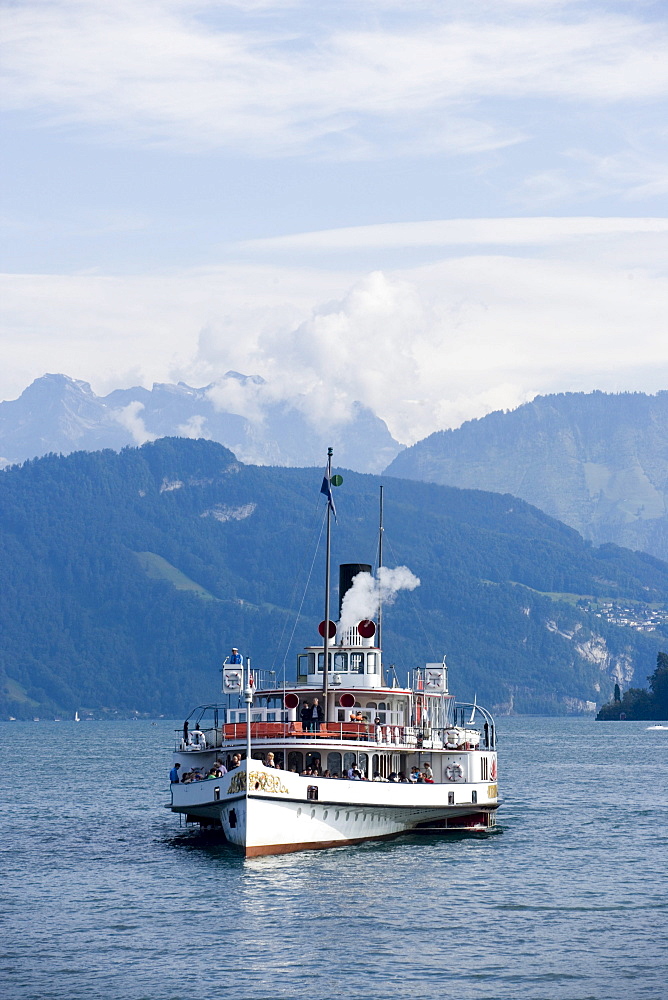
(407, 737)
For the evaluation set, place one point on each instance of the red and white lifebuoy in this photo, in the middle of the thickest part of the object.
(454, 772)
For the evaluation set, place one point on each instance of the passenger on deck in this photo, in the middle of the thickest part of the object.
(220, 769)
(235, 656)
(174, 774)
(393, 776)
(326, 774)
(402, 778)
(360, 718)
(415, 773)
(377, 776)
(236, 760)
(427, 771)
(317, 716)
(185, 731)
(356, 775)
(307, 772)
(306, 717)
(212, 773)
(269, 760)
(428, 777)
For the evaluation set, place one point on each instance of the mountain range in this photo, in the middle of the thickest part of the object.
(60, 414)
(597, 461)
(126, 577)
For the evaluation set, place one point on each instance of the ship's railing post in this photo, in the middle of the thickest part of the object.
(248, 698)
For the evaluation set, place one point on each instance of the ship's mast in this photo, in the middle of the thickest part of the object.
(380, 563)
(325, 638)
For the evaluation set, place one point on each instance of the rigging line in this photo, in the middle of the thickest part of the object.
(305, 591)
(298, 574)
(412, 599)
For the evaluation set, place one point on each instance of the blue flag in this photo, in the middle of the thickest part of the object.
(326, 488)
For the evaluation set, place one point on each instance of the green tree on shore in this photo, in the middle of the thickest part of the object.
(639, 704)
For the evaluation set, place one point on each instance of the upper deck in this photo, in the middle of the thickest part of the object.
(224, 735)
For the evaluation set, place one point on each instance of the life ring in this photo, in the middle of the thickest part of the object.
(454, 772)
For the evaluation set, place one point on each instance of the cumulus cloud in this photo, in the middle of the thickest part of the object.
(128, 417)
(425, 347)
(194, 427)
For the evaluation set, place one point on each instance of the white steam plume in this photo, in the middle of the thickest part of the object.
(368, 593)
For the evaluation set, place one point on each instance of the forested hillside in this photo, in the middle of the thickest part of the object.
(127, 577)
(597, 461)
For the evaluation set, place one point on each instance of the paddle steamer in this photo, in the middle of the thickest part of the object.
(293, 785)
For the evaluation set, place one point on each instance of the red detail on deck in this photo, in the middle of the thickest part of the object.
(332, 629)
(291, 700)
(347, 700)
(366, 628)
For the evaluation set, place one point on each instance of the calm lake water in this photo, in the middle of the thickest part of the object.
(105, 896)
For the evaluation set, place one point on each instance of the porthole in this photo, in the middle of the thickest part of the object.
(325, 814)
(312, 813)
(299, 812)
(336, 815)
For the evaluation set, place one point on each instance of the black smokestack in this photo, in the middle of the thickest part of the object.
(347, 573)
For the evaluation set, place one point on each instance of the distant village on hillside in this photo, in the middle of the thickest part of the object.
(641, 617)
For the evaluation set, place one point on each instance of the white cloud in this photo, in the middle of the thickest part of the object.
(194, 427)
(121, 330)
(128, 417)
(464, 232)
(201, 76)
(425, 347)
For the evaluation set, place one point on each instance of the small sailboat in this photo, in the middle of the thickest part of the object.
(76, 717)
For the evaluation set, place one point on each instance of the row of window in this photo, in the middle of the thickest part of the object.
(339, 663)
(334, 762)
(371, 711)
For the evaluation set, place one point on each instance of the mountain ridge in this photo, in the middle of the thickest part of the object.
(597, 461)
(59, 414)
(86, 626)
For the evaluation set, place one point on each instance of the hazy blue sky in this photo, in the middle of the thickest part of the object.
(438, 208)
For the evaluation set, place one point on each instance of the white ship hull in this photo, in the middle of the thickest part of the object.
(277, 812)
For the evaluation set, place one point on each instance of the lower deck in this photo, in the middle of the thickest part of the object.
(267, 810)
(333, 759)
